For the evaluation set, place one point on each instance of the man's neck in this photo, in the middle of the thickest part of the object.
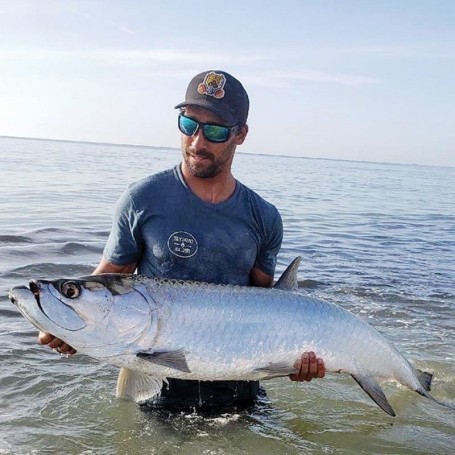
(213, 190)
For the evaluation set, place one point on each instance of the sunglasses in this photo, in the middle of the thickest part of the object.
(211, 131)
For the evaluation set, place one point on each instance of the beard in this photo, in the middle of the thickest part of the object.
(205, 165)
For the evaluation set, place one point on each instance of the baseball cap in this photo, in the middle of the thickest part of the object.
(220, 93)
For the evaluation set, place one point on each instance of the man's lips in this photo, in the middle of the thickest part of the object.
(201, 156)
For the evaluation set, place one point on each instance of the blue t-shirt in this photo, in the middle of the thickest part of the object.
(170, 232)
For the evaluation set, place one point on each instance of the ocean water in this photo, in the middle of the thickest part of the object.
(377, 239)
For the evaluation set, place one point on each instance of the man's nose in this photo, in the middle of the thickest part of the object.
(198, 139)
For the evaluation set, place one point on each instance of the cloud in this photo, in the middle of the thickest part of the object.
(181, 62)
(132, 56)
(92, 19)
(427, 50)
(125, 29)
(288, 78)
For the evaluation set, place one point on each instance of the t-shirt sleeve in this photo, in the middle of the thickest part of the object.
(267, 257)
(124, 243)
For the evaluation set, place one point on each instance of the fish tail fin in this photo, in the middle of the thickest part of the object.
(374, 391)
(425, 379)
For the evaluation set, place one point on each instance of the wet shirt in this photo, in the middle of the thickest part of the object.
(161, 225)
(169, 232)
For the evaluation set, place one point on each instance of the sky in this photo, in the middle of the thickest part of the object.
(368, 80)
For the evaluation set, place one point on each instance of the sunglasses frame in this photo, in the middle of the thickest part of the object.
(201, 125)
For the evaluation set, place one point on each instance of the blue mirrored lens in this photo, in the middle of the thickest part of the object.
(187, 125)
(216, 133)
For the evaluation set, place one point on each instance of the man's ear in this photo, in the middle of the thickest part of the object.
(241, 135)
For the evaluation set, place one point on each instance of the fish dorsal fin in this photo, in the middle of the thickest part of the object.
(173, 359)
(288, 280)
(374, 391)
(138, 386)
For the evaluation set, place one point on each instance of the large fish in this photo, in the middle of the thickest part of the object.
(158, 328)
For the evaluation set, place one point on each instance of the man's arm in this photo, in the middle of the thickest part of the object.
(260, 279)
(107, 267)
(103, 267)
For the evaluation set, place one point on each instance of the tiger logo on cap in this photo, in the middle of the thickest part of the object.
(212, 85)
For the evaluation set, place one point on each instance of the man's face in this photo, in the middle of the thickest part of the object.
(206, 159)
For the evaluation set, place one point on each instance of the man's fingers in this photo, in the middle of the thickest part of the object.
(308, 364)
(312, 365)
(45, 338)
(301, 365)
(321, 368)
(303, 369)
(297, 365)
(66, 349)
(55, 343)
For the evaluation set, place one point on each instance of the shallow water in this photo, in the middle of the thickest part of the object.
(378, 239)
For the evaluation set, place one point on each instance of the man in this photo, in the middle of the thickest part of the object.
(198, 222)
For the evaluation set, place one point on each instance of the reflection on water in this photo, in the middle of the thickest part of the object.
(377, 239)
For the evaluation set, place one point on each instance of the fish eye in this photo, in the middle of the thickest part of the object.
(70, 290)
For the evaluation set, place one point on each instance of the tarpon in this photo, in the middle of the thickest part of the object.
(156, 328)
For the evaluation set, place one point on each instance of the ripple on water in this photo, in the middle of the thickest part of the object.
(48, 270)
(14, 239)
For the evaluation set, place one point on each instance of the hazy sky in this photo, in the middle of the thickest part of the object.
(363, 80)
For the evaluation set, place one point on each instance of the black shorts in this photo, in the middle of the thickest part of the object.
(185, 395)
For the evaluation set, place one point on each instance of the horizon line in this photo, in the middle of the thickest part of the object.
(115, 144)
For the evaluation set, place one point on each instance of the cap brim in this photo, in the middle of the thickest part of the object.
(206, 105)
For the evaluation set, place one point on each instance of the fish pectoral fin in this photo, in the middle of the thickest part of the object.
(173, 359)
(275, 370)
(288, 280)
(138, 386)
(374, 391)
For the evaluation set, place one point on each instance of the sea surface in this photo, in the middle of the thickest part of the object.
(377, 239)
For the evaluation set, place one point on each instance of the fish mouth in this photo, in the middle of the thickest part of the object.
(34, 288)
(19, 296)
(11, 295)
(51, 308)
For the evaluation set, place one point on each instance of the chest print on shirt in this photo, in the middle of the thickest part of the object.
(182, 244)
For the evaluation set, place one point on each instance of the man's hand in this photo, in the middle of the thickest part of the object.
(308, 366)
(55, 343)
